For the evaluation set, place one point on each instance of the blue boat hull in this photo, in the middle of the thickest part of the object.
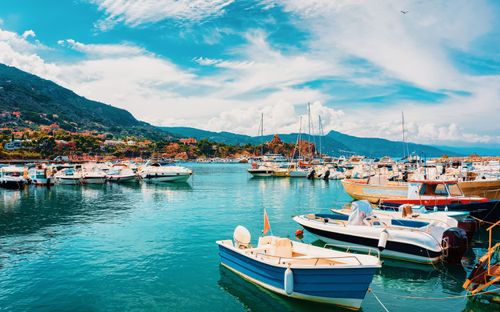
(340, 286)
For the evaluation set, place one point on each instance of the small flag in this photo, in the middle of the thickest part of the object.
(267, 226)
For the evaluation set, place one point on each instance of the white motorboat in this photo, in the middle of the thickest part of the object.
(261, 170)
(154, 173)
(12, 177)
(301, 271)
(120, 173)
(41, 175)
(93, 174)
(405, 239)
(69, 176)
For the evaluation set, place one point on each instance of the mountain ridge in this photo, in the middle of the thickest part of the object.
(334, 143)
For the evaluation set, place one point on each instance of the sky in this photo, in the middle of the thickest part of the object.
(218, 64)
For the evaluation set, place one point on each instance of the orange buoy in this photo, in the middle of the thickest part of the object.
(299, 233)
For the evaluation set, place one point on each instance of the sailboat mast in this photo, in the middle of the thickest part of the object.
(262, 133)
(309, 122)
(403, 128)
(320, 126)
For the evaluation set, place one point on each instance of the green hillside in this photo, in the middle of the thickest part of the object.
(43, 102)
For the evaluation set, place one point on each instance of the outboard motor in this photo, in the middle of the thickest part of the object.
(311, 174)
(469, 225)
(454, 244)
(326, 176)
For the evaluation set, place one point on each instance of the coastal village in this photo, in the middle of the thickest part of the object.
(51, 142)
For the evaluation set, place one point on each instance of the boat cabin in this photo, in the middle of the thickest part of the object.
(433, 188)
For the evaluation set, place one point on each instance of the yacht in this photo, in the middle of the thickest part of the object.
(93, 174)
(69, 176)
(154, 172)
(12, 177)
(420, 241)
(121, 173)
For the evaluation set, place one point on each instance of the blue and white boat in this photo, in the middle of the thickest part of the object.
(299, 270)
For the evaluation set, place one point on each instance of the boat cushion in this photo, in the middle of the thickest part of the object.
(409, 223)
(283, 248)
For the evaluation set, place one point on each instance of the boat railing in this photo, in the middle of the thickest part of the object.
(349, 248)
(490, 247)
(281, 258)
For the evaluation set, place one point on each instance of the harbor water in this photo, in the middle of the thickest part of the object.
(152, 247)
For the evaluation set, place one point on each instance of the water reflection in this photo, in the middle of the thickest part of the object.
(256, 298)
(36, 208)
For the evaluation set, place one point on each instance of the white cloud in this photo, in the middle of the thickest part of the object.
(103, 50)
(29, 33)
(411, 47)
(256, 77)
(134, 13)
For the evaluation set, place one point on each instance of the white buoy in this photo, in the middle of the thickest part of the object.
(446, 208)
(435, 208)
(382, 241)
(288, 281)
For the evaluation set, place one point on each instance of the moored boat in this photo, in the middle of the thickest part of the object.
(12, 177)
(120, 173)
(41, 175)
(261, 170)
(155, 173)
(446, 195)
(68, 176)
(92, 174)
(374, 190)
(398, 238)
(483, 188)
(299, 270)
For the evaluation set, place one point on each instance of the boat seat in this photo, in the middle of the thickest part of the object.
(283, 248)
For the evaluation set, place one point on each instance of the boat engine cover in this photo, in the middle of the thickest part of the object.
(455, 243)
(469, 225)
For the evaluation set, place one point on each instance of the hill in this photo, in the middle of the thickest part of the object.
(334, 143)
(36, 101)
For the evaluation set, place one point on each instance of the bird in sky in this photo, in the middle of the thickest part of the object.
(404, 12)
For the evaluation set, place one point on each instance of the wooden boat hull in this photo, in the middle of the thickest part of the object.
(360, 190)
(488, 189)
(345, 287)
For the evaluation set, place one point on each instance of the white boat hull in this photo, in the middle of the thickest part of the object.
(94, 180)
(123, 179)
(68, 181)
(167, 178)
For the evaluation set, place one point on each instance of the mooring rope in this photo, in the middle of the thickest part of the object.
(439, 298)
(374, 295)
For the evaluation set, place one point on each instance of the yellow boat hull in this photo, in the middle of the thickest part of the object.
(488, 189)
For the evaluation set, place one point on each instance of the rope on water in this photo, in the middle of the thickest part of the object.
(439, 298)
(383, 306)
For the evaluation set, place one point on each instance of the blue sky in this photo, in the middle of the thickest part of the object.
(217, 64)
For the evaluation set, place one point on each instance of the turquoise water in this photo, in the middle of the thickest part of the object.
(152, 247)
